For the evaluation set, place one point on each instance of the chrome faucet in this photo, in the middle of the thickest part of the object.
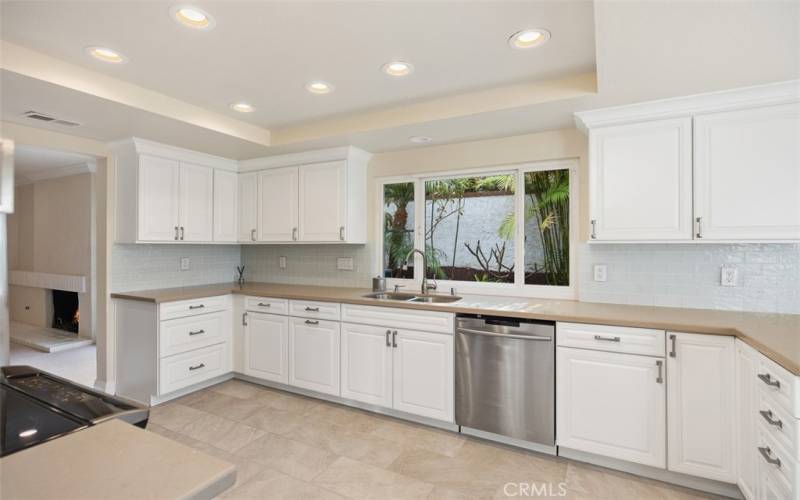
(425, 286)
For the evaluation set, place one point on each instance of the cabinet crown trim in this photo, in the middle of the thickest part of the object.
(152, 148)
(306, 157)
(760, 95)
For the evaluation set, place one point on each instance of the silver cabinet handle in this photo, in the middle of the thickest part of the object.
(262, 304)
(699, 227)
(607, 339)
(388, 344)
(312, 309)
(182, 232)
(394, 338)
(341, 233)
(244, 319)
(197, 307)
(198, 332)
(767, 454)
(176, 233)
(767, 414)
(253, 235)
(311, 322)
(672, 352)
(660, 378)
(594, 229)
(294, 233)
(767, 379)
(197, 367)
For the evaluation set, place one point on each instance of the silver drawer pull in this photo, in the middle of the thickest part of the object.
(197, 307)
(767, 414)
(767, 454)
(660, 378)
(311, 322)
(261, 304)
(198, 332)
(767, 379)
(607, 339)
(197, 367)
(312, 309)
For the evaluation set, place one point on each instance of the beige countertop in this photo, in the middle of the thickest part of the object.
(777, 336)
(113, 460)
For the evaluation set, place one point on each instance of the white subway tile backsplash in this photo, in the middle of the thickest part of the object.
(308, 264)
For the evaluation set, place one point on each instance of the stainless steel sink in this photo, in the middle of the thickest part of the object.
(410, 297)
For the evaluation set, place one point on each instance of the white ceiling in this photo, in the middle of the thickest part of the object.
(264, 52)
(33, 163)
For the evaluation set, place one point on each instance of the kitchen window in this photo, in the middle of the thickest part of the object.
(502, 230)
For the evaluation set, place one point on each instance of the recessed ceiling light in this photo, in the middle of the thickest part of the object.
(243, 107)
(106, 55)
(419, 139)
(319, 87)
(527, 39)
(397, 68)
(192, 17)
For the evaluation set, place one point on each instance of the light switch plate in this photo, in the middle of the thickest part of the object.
(186, 263)
(344, 263)
(600, 272)
(282, 262)
(729, 276)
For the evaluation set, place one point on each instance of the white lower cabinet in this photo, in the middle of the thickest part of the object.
(266, 346)
(314, 355)
(423, 374)
(700, 402)
(367, 364)
(746, 404)
(612, 404)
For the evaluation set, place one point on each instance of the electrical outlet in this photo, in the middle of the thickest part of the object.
(344, 263)
(729, 276)
(600, 272)
(186, 263)
(282, 262)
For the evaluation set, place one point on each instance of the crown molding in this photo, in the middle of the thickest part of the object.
(316, 156)
(152, 148)
(54, 173)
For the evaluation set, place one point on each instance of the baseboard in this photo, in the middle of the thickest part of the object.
(518, 443)
(157, 400)
(697, 483)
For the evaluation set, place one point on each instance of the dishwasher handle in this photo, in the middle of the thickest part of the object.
(505, 335)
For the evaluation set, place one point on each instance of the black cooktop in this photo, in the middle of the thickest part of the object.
(36, 406)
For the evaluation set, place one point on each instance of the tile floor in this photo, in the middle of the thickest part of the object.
(288, 446)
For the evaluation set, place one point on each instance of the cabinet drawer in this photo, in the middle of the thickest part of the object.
(179, 309)
(391, 317)
(611, 338)
(183, 370)
(777, 384)
(317, 310)
(266, 305)
(779, 424)
(774, 460)
(186, 334)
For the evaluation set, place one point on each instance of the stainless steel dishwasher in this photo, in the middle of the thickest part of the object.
(505, 377)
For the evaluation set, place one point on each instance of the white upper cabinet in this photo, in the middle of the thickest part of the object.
(712, 167)
(157, 200)
(248, 207)
(747, 174)
(641, 181)
(277, 204)
(226, 188)
(323, 201)
(196, 202)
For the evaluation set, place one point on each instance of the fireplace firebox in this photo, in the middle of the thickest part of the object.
(66, 315)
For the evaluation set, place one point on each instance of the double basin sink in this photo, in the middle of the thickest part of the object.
(411, 297)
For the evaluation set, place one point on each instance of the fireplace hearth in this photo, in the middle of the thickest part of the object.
(66, 315)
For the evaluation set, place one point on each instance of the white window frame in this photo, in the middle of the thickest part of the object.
(518, 288)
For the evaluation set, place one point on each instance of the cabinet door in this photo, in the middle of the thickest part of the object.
(611, 404)
(367, 364)
(747, 174)
(640, 181)
(314, 355)
(700, 399)
(277, 204)
(266, 347)
(423, 374)
(196, 202)
(226, 187)
(248, 207)
(158, 199)
(323, 201)
(746, 408)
